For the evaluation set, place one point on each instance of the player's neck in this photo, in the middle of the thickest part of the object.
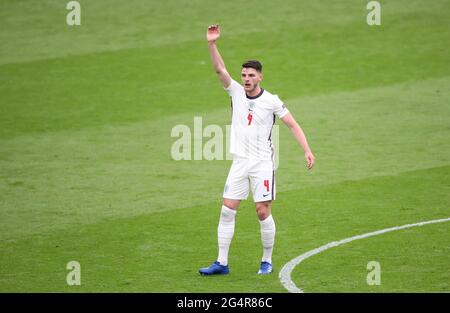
(254, 92)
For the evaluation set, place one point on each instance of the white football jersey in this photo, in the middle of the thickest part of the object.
(252, 122)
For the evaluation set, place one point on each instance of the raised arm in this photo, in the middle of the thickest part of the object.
(296, 130)
(212, 35)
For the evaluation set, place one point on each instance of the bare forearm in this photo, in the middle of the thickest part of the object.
(300, 137)
(216, 58)
(289, 120)
(218, 64)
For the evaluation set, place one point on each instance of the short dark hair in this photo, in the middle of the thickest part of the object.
(253, 64)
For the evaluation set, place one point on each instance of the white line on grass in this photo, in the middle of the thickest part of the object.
(285, 273)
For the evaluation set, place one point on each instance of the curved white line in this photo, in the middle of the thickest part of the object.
(285, 273)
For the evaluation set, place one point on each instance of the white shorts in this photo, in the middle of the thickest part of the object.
(244, 174)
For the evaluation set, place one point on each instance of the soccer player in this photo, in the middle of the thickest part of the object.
(254, 111)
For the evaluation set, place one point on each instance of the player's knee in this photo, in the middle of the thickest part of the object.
(263, 210)
(231, 204)
(262, 215)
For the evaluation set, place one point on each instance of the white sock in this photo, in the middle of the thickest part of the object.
(225, 232)
(267, 238)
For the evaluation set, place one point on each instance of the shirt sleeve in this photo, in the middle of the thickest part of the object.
(233, 88)
(279, 109)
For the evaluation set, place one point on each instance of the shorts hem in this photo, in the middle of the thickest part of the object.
(233, 197)
(263, 200)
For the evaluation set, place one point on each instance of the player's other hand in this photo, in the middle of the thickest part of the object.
(213, 33)
(309, 160)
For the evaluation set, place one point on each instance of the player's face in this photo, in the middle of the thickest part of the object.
(250, 78)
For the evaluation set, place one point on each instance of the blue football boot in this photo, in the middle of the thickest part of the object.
(266, 268)
(215, 269)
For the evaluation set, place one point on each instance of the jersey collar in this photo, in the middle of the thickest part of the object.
(257, 96)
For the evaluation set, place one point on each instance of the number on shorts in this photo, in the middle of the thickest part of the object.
(266, 184)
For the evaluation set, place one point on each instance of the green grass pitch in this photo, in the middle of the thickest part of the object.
(86, 116)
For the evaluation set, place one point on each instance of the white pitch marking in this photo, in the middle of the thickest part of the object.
(285, 273)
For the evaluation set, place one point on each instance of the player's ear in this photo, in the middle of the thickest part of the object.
(261, 76)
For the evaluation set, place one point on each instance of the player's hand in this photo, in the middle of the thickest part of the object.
(213, 33)
(309, 160)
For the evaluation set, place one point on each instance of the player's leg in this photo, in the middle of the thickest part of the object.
(225, 229)
(231, 203)
(225, 232)
(263, 187)
(268, 229)
(236, 189)
(263, 210)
